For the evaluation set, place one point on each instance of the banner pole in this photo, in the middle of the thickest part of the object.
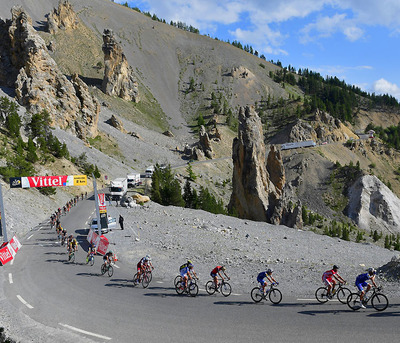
(3, 229)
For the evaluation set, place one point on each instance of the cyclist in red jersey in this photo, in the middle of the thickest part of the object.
(214, 274)
(328, 278)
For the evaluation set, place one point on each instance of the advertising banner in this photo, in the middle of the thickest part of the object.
(6, 254)
(100, 241)
(102, 203)
(15, 244)
(48, 181)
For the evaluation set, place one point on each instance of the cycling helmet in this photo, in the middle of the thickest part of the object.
(223, 268)
(147, 258)
(269, 271)
(335, 267)
(371, 271)
(189, 262)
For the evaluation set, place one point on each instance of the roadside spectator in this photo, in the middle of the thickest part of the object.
(121, 222)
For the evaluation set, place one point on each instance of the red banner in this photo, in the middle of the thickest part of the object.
(102, 203)
(100, 241)
(15, 244)
(6, 255)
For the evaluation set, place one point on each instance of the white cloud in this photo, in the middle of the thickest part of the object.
(383, 86)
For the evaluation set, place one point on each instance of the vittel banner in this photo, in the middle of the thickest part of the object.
(48, 181)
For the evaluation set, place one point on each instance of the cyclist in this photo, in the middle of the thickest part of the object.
(73, 244)
(91, 250)
(328, 278)
(63, 236)
(143, 265)
(267, 274)
(217, 272)
(185, 271)
(107, 258)
(361, 282)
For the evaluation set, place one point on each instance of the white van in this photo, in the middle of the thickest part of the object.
(149, 171)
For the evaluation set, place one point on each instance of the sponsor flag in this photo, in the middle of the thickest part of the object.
(48, 181)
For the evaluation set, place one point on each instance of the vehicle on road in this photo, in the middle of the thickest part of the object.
(133, 180)
(273, 294)
(223, 287)
(342, 293)
(118, 188)
(112, 224)
(149, 171)
(379, 301)
(295, 145)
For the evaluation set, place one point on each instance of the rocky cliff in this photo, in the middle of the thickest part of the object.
(63, 17)
(373, 206)
(254, 194)
(118, 75)
(39, 84)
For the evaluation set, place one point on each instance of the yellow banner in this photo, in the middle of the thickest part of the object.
(80, 180)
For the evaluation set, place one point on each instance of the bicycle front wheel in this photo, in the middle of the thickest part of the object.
(275, 296)
(177, 280)
(342, 294)
(146, 280)
(110, 271)
(149, 275)
(322, 295)
(256, 294)
(353, 301)
(72, 258)
(103, 269)
(210, 287)
(226, 289)
(193, 289)
(379, 302)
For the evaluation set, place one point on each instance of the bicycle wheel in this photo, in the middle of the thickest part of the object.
(353, 301)
(177, 280)
(179, 287)
(103, 269)
(321, 295)
(210, 287)
(226, 289)
(193, 289)
(342, 294)
(110, 271)
(379, 302)
(149, 275)
(275, 296)
(146, 280)
(256, 294)
(91, 262)
(135, 279)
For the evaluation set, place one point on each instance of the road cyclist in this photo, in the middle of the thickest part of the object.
(265, 275)
(107, 261)
(91, 253)
(215, 286)
(329, 279)
(143, 266)
(72, 247)
(186, 272)
(361, 282)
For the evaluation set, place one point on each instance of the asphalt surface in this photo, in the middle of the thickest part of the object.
(75, 297)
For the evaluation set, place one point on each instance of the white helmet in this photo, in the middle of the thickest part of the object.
(147, 258)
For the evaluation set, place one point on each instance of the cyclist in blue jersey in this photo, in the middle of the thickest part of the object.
(267, 274)
(361, 282)
(185, 271)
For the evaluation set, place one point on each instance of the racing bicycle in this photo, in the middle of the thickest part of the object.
(107, 268)
(90, 259)
(223, 287)
(71, 256)
(341, 292)
(144, 278)
(379, 301)
(273, 294)
(191, 289)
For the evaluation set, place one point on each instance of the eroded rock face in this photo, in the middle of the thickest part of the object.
(373, 206)
(115, 122)
(39, 84)
(118, 75)
(205, 144)
(254, 195)
(63, 17)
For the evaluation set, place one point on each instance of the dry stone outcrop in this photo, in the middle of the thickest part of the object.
(373, 206)
(118, 75)
(63, 17)
(38, 82)
(115, 122)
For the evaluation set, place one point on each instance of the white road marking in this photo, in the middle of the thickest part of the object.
(159, 282)
(237, 294)
(24, 302)
(12, 261)
(84, 331)
(116, 266)
(10, 279)
(315, 300)
(29, 237)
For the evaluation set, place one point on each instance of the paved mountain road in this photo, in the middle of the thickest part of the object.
(75, 297)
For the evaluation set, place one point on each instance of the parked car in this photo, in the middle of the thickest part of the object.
(112, 224)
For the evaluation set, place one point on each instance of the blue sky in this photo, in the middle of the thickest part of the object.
(356, 40)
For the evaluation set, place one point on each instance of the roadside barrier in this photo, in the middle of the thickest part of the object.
(8, 250)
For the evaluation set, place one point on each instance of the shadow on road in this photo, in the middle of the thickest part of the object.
(315, 312)
(54, 253)
(88, 274)
(234, 303)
